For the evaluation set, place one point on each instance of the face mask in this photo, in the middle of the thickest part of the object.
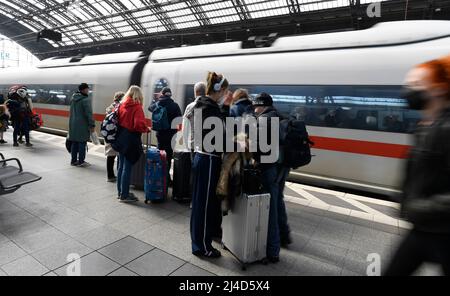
(417, 99)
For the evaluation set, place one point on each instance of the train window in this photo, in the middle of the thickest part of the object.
(376, 108)
(47, 94)
(159, 85)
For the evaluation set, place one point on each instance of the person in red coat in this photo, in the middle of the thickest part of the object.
(132, 125)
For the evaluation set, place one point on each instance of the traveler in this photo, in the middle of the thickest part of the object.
(20, 107)
(4, 117)
(164, 112)
(188, 118)
(110, 153)
(206, 219)
(241, 103)
(426, 190)
(81, 125)
(132, 124)
(274, 177)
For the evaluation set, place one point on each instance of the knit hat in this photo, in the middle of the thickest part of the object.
(263, 99)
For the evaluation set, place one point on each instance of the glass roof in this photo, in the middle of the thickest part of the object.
(87, 21)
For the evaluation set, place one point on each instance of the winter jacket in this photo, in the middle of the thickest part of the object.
(81, 118)
(241, 107)
(173, 112)
(426, 190)
(109, 151)
(188, 126)
(131, 117)
(210, 108)
(20, 109)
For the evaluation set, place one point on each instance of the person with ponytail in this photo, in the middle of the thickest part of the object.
(426, 190)
(206, 219)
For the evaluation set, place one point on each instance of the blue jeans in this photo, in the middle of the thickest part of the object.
(274, 181)
(78, 152)
(124, 176)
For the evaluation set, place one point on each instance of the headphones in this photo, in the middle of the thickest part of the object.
(218, 86)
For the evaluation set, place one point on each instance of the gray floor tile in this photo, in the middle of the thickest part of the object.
(93, 264)
(26, 266)
(359, 263)
(55, 256)
(9, 252)
(2, 273)
(191, 270)
(346, 272)
(131, 225)
(40, 240)
(305, 266)
(51, 273)
(3, 239)
(126, 250)
(326, 253)
(155, 263)
(100, 237)
(123, 272)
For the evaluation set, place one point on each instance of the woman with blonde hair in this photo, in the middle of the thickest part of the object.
(132, 124)
(110, 153)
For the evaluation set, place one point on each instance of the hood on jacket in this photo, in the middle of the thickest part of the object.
(270, 112)
(78, 96)
(129, 103)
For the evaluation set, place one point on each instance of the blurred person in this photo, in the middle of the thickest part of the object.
(426, 190)
(4, 117)
(81, 125)
(132, 124)
(188, 117)
(206, 217)
(166, 110)
(241, 103)
(110, 153)
(274, 177)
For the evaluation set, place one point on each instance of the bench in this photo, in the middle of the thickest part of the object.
(13, 177)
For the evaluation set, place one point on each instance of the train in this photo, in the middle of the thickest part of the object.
(347, 87)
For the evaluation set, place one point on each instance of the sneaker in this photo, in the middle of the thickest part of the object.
(84, 164)
(29, 145)
(211, 254)
(74, 164)
(112, 180)
(16, 144)
(131, 198)
(3, 142)
(286, 240)
(274, 259)
(20, 141)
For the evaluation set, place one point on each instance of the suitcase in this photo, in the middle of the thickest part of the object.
(182, 177)
(155, 175)
(138, 173)
(245, 228)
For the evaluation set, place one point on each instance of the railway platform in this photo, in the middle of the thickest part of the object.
(74, 211)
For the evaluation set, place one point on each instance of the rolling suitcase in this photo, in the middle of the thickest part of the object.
(155, 175)
(138, 173)
(182, 177)
(245, 228)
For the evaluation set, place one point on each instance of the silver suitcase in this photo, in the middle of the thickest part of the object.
(245, 229)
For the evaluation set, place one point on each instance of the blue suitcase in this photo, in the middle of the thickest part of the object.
(155, 175)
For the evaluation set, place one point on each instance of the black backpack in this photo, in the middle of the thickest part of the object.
(295, 142)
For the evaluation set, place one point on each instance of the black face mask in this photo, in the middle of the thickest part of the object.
(417, 99)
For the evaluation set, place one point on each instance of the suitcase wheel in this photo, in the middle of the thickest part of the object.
(146, 202)
(244, 267)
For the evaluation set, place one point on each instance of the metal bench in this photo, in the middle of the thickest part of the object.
(12, 177)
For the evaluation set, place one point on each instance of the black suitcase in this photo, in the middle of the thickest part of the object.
(138, 173)
(182, 177)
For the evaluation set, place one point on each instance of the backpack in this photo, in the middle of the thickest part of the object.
(110, 126)
(160, 118)
(296, 144)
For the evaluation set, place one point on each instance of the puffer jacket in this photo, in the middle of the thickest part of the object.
(81, 119)
(426, 190)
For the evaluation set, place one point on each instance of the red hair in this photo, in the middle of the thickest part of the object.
(439, 73)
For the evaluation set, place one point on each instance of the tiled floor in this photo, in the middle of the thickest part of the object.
(75, 211)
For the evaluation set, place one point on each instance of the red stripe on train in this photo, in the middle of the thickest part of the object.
(322, 143)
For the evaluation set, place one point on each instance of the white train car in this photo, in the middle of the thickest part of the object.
(347, 86)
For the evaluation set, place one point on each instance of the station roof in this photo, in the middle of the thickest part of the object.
(95, 23)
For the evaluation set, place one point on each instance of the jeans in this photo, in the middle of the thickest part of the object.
(274, 180)
(110, 166)
(124, 176)
(78, 152)
(22, 128)
(165, 143)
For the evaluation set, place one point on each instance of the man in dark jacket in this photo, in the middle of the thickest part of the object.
(81, 125)
(426, 191)
(165, 136)
(274, 178)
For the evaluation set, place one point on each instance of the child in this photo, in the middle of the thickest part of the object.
(4, 117)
